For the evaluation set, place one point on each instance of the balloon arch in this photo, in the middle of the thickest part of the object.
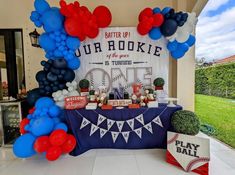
(44, 130)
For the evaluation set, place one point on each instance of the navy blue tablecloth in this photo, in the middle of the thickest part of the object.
(152, 137)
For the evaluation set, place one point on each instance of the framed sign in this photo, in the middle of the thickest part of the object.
(119, 56)
(191, 153)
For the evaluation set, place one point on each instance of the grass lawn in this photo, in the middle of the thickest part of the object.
(219, 113)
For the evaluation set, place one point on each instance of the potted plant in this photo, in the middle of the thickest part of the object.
(185, 122)
(84, 85)
(159, 83)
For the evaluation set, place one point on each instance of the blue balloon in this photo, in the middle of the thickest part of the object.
(56, 120)
(54, 111)
(166, 10)
(52, 20)
(58, 53)
(73, 43)
(155, 33)
(172, 46)
(44, 102)
(191, 40)
(42, 126)
(41, 6)
(46, 42)
(61, 126)
(177, 54)
(183, 47)
(23, 146)
(156, 10)
(34, 16)
(74, 63)
(169, 27)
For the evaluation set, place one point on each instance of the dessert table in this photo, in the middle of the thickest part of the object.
(120, 128)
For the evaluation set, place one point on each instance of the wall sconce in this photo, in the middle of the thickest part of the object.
(34, 38)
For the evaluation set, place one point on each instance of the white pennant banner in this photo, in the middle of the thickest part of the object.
(140, 119)
(120, 125)
(93, 129)
(158, 121)
(149, 127)
(110, 123)
(138, 131)
(114, 136)
(131, 123)
(103, 132)
(126, 135)
(84, 123)
(101, 118)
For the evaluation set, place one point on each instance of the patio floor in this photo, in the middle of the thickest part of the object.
(114, 162)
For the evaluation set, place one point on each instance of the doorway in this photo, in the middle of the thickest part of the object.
(11, 63)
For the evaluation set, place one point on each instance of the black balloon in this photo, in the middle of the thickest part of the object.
(69, 75)
(40, 76)
(33, 96)
(51, 77)
(169, 27)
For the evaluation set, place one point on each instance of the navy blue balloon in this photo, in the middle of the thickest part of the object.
(73, 43)
(169, 27)
(69, 75)
(54, 111)
(33, 96)
(23, 146)
(60, 63)
(177, 54)
(155, 33)
(52, 77)
(172, 46)
(41, 6)
(52, 20)
(44, 102)
(156, 10)
(46, 42)
(191, 40)
(40, 76)
(74, 63)
(61, 126)
(166, 10)
(184, 47)
(42, 126)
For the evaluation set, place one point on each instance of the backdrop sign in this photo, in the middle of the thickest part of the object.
(188, 152)
(120, 56)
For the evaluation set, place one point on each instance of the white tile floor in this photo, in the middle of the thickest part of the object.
(114, 162)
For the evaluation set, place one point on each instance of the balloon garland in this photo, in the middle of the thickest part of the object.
(177, 28)
(44, 130)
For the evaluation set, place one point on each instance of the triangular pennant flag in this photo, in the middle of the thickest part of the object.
(120, 125)
(126, 135)
(102, 132)
(114, 136)
(158, 121)
(110, 123)
(101, 118)
(84, 123)
(149, 127)
(138, 131)
(93, 129)
(140, 119)
(131, 123)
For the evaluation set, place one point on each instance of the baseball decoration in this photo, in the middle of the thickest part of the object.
(188, 152)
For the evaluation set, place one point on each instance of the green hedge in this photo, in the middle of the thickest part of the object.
(216, 80)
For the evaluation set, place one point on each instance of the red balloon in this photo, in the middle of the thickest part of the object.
(103, 16)
(23, 123)
(32, 110)
(53, 153)
(58, 137)
(42, 144)
(146, 13)
(69, 145)
(144, 27)
(73, 27)
(158, 19)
